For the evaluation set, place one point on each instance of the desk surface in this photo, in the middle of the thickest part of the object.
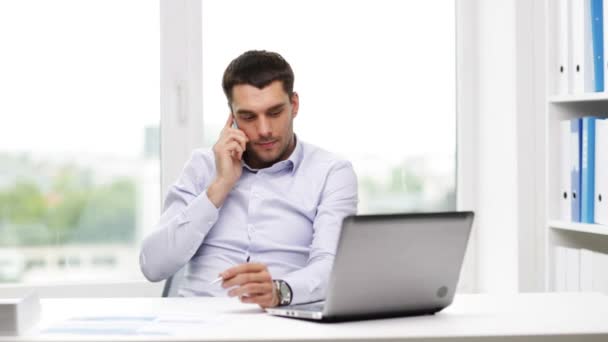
(518, 317)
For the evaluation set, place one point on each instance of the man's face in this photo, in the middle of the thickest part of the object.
(266, 116)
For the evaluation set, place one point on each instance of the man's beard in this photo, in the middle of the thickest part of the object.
(251, 153)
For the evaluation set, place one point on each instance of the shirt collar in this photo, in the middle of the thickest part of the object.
(296, 156)
(294, 160)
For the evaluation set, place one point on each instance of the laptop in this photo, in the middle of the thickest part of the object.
(391, 265)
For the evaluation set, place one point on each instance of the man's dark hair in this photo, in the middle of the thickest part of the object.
(258, 68)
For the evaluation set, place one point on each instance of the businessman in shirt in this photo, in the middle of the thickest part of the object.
(261, 209)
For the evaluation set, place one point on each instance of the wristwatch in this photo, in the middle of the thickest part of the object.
(283, 291)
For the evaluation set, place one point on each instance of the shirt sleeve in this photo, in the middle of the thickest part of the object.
(187, 217)
(339, 199)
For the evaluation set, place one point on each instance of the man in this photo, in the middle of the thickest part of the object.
(262, 209)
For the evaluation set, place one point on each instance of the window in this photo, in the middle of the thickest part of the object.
(79, 138)
(377, 85)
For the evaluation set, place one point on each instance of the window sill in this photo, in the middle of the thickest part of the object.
(135, 288)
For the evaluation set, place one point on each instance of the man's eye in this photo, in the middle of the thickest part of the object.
(247, 117)
(276, 113)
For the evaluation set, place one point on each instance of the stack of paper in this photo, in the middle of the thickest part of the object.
(18, 313)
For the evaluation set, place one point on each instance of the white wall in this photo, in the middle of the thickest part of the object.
(508, 185)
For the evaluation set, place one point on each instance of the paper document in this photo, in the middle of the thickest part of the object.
(165, 325)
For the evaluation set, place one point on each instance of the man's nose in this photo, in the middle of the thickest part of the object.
(264, 128)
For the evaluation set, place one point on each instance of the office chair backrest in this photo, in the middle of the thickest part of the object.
(172, 283)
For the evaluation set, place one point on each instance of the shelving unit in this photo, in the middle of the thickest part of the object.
(562, 107)
(575, 98)
(579, 227)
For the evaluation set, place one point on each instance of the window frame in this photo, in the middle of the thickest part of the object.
(467, 132)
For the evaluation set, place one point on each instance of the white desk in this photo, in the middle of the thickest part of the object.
(524, 317)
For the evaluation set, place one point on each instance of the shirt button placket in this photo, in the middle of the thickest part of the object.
(249, 235)
(254, 200)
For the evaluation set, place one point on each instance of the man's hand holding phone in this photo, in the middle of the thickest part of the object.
(228, 151)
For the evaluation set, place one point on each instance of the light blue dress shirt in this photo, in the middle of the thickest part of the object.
(287, 216)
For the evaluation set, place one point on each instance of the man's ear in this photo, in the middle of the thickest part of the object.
(295, 104)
